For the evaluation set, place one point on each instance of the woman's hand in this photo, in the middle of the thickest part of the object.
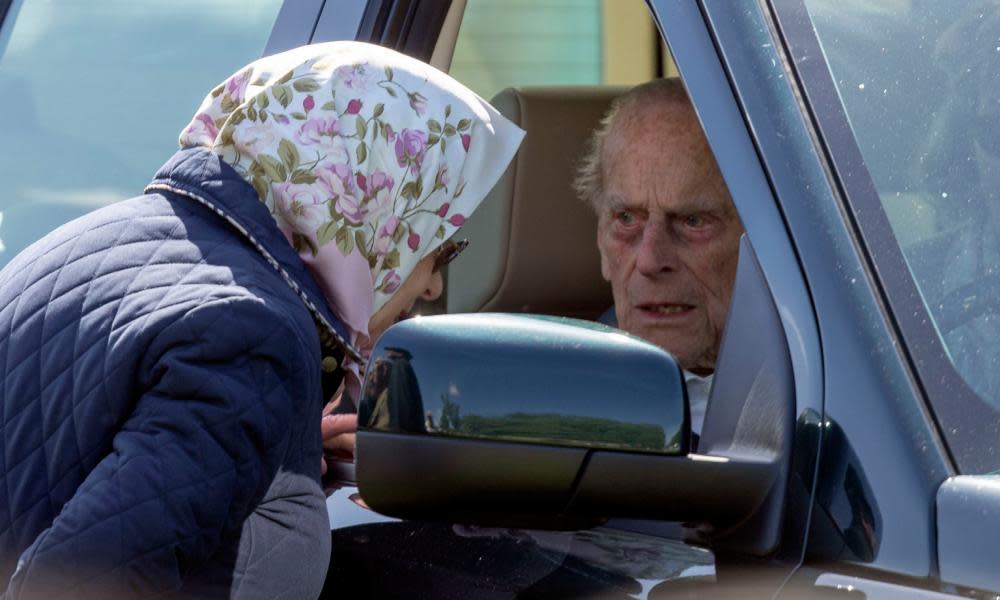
(338, 431)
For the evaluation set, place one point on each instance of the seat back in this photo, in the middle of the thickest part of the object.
(533, 241)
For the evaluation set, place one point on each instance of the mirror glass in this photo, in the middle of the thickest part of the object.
(529, 379)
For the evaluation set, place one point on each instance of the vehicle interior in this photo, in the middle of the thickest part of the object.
(533, 241)
(534, 247)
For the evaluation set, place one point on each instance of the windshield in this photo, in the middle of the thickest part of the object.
(919, 85)
(95, 94)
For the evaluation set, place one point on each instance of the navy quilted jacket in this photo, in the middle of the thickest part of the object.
(160, 393)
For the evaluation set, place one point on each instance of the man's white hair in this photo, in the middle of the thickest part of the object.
(589, 181)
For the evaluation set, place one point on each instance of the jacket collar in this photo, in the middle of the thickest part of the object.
(202, 176)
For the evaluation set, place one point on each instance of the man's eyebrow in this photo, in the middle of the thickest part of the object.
(618, 202)
(701, 200)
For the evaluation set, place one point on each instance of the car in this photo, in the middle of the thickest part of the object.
(852, 429)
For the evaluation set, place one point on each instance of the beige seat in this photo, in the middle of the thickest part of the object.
(533, 241)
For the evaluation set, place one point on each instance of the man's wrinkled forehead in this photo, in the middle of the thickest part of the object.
(669, 121)
(659, 151)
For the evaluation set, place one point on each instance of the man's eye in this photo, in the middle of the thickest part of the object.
(624, 217)
(694, 221)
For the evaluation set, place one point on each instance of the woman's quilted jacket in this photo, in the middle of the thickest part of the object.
(159, 391)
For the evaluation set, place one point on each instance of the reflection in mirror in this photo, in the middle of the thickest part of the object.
(525, 379)
(391, 380)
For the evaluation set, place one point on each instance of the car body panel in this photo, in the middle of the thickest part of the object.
(869, 392)
(968, 523)
(707, 84)
(875, 503)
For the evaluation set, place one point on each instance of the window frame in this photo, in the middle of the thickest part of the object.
(339, 20)
(687, 29)
(294, 25)
(867, 387)
(301, 22)
(849, 369)
(408, 26)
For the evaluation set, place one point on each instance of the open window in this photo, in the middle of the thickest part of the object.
(554, 68)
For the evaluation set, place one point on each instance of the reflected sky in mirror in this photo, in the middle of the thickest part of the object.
(520, 378)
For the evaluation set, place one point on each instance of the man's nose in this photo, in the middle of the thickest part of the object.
(657, 252)
(434, 287)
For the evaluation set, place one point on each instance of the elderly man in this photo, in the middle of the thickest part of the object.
(668, 232)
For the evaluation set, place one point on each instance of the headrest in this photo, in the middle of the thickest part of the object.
(533, 241)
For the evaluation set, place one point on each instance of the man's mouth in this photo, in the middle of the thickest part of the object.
(665, 309)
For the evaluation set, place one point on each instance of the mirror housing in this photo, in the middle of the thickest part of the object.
(537, 422)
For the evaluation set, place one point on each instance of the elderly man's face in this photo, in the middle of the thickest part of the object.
(668, 233)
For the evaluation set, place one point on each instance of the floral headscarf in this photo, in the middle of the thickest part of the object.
(367, 159)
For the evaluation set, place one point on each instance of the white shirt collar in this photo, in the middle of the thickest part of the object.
(698, 388)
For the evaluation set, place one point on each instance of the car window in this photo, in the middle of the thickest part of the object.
(918, 85)
(557, 42)
(96, 93)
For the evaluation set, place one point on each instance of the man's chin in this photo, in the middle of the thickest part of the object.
(688, 357)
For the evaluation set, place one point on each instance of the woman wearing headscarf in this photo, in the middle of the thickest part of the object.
(164, 361)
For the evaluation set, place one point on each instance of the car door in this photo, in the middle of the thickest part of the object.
(874, 381)
(868, 119)
(624, 558)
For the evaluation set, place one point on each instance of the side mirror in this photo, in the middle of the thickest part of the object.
(537, 422)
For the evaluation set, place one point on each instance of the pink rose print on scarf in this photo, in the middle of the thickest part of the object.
(418, 103)
(389, 227)
(302, 206)
(237, 85)
(349, 206)
(410, 148)
(384, 242)
(375, 182)
(391, 282)
(324, 134)
(254, 138)
(377, 187)
(337, 182)
(313, 131)
(442, 179)
(315, 136)
(355, 77)
(202, 129)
